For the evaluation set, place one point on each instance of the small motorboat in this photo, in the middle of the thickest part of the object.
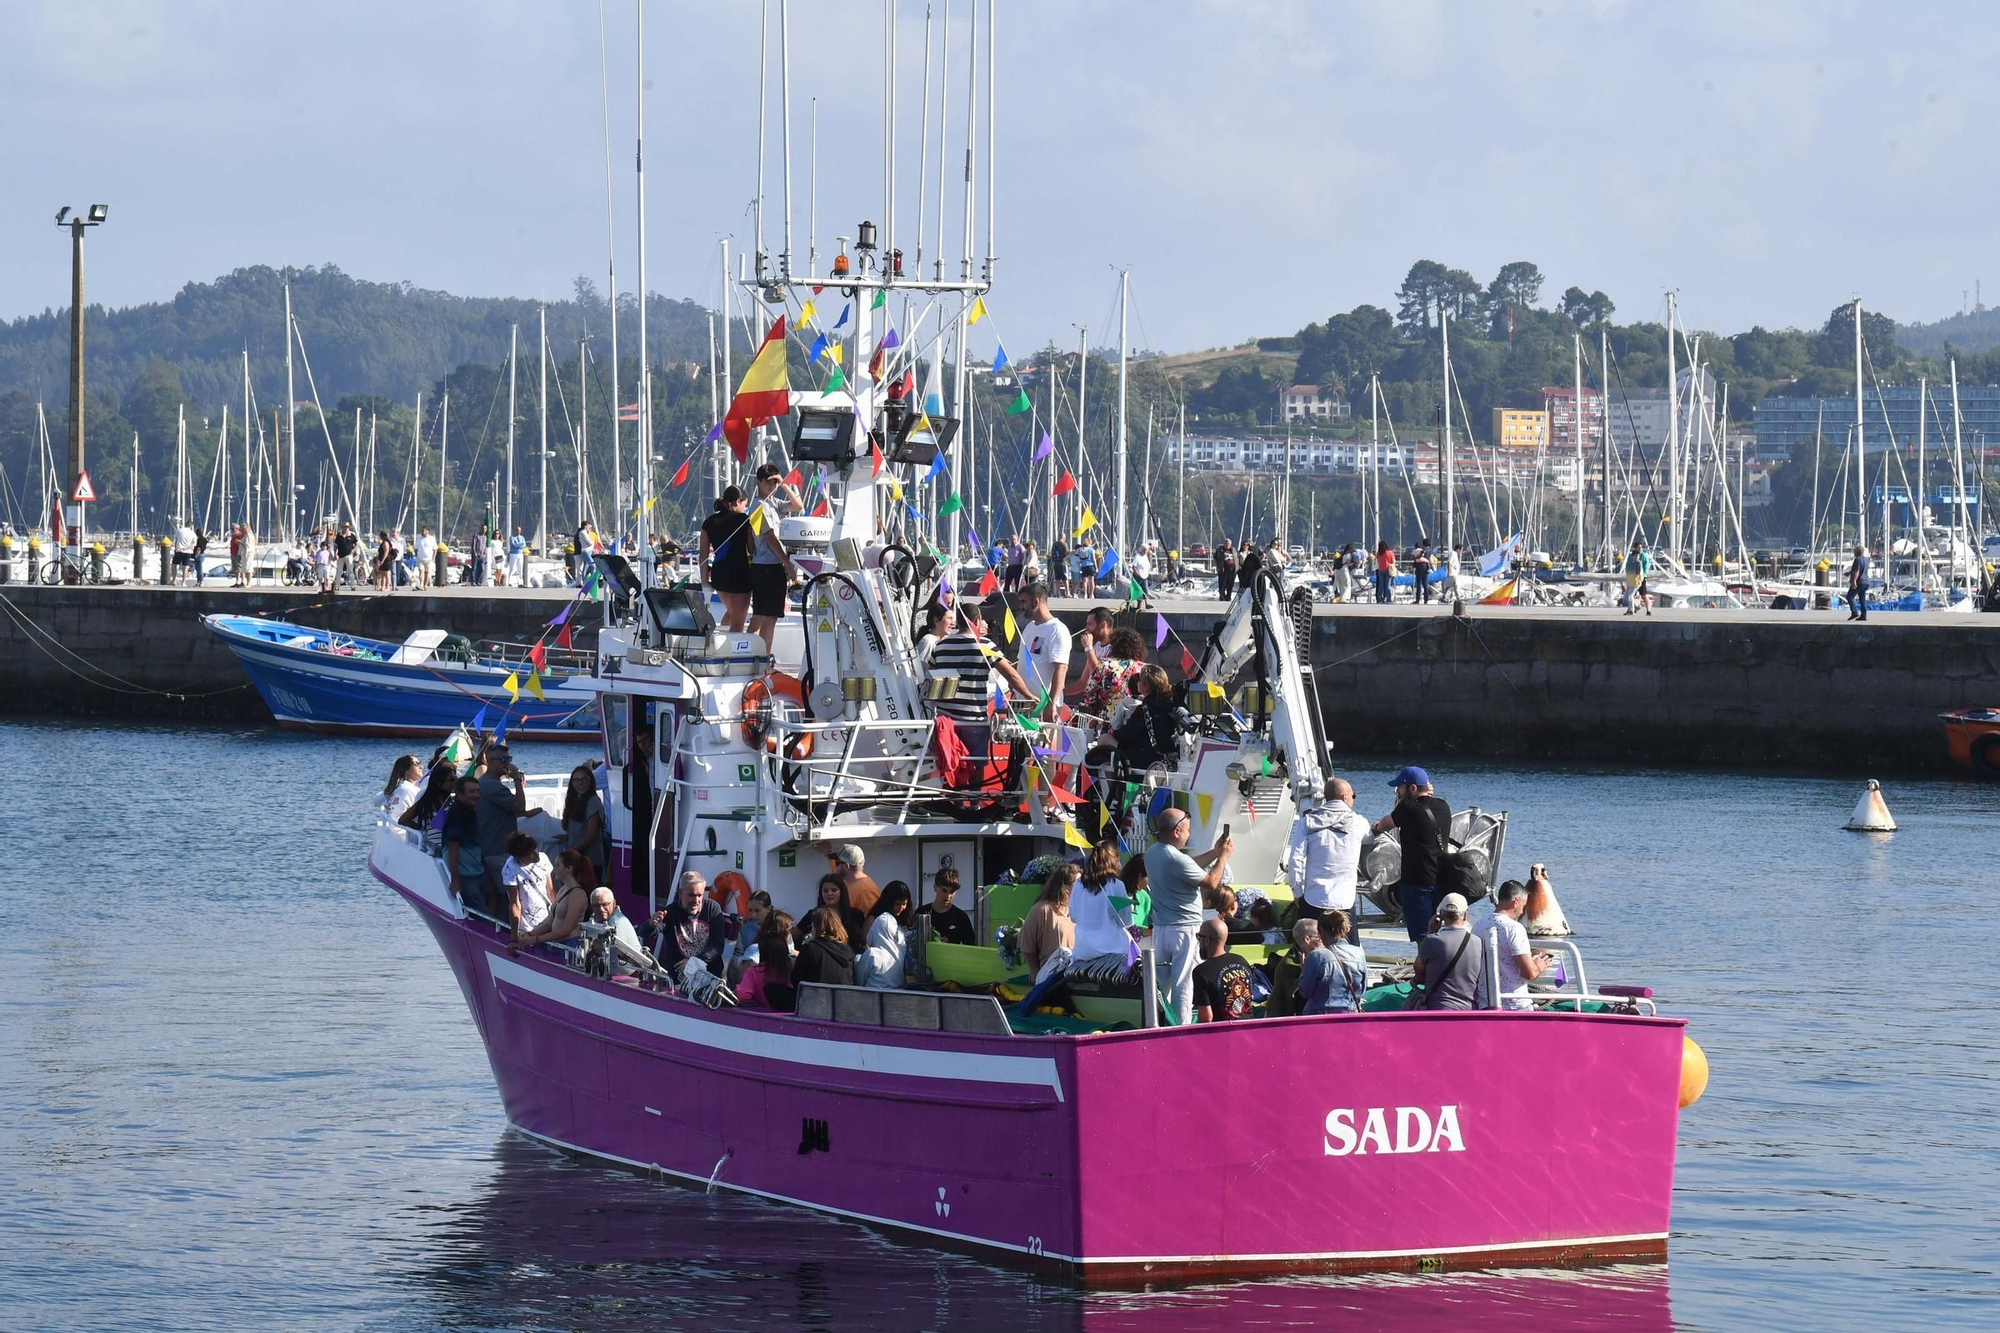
(1972, 739)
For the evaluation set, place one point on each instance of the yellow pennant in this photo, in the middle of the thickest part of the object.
(806, 312)
(1074, 837)
(1007, 626)
(978, 311)
(535, 686)
(836, 351)
(923, 424)
(895, 489)
(757, 520)
(1203, 802)
(513, 687)
(1214, 690)
(1089, 521)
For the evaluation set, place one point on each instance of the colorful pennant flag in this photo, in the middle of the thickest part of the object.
(513, 687)
(535, 686)
(1044, 449)
(1110, 562)
(539, 655)
(989, 584)
(1065, 483)
(1089, 521)
(978, 311)
(875, 459)
(818, 348)
(1214, 690)
(881, 299)
(891, 340)
(479, 719)
(838, 379)
(951, 505)
(807, 311)
(1008, 629)
(937, 466)
(681, 473)
(562, 617)
(1159, 630)
(757, 519)
(1074, 837)
(795, 478)
(841, 323)
(1020, 405)
(714, 434)
(999, 358)
(1187, 663)
(565, 639)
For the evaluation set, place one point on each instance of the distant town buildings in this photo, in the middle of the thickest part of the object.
(1516, 430)
(1786, 426)
(1560, 406)
(1211, 453)
(1306, 402)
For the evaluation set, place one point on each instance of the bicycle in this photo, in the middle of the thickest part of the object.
(85, 569)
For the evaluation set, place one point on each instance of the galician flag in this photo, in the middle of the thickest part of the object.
(765, 392)
(1494, 563)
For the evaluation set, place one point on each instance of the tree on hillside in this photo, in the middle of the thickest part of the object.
(1585, 310)
(1239, 391)
(1347, 348)
(1518, 285)
(1835, 345)
(1422, 295)
(1463, 295)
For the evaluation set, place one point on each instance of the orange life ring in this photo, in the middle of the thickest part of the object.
(757, 708)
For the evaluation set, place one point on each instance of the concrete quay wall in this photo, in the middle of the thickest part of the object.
(1700, 687)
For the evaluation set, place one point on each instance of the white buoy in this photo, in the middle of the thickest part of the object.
(1871, 814)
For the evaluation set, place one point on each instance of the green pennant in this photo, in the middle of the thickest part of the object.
(1020, 405)
(881, 299)
(1134, 593)
(951, 505)
(837, 380)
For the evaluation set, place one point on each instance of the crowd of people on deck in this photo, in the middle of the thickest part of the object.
(1087, 921)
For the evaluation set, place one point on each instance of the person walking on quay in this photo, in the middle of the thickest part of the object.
(1385, 572)
(1420, 565)
(239, 556)
(1857, 585)
(517, 557)
(426, 555)
(1638, 565)
(344, 545)
(1225, 570)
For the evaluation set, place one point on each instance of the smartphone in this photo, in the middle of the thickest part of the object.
(1225, 830)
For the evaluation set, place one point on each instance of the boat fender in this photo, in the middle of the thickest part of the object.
(1694, 1072)
(757, 697)
(1871, 814)
(1986, 755)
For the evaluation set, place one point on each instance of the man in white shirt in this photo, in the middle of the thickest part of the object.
(1044, 649)
(1518, 964)
(1325, 854)
(427, 549)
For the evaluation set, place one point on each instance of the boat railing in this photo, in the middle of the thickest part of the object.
(1574, 990)
(924, 1011)
(503, 652)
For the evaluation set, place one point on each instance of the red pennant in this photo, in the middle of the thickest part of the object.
(540, 656)
(793, 478)
(909, 382)
(988, 585)
(737, 431)
(681, 473)
(563, 639)
(822, 509)
(1064, 797)
(875, 365)
(1066, 484)
(1187, 663)
(875, 459)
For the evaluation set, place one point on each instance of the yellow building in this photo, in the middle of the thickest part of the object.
(1515, 428)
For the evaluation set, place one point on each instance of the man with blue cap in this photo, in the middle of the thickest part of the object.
(1423, 826)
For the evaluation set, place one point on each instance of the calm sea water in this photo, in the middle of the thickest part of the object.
(238, 1089)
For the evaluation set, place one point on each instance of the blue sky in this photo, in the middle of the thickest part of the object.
(1256, 163)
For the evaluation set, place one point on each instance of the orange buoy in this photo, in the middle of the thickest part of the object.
(1694, 1072)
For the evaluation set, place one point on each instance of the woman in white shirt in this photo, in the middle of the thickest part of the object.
(1103, 926)
(881, 964)
(406, 784)
(527, 873)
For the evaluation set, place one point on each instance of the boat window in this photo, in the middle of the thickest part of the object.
(615, 710)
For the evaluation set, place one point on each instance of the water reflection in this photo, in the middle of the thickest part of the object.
(551, 1243)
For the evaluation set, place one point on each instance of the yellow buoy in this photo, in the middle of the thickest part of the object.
(1694, 1072)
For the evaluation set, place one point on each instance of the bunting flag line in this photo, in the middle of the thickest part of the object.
(765, 393)
(1008, 628)
(881, 299)
(513, 687)
(1110, 561)
(1044, 449)
(1020, 405)
(837, 380)
(1065, 483)
(1088, 522)
(875, 459)
(1159, 631)
(988, 585)
(951, 505)
(806, 312)
(845, 311)
(978, 311)
(535, 686)
(937, 464)
(681, 473)
(999, 358)
(818, 348)
(891, 340)
(539, 655)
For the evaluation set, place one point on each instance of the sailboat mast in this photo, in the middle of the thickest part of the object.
(513, 360)
(645, 436)
(610, 270)
(583, 431)
(291, 425)
(1124, 301)
(542, 522)
(444, 449)
(1576, 427)
(1375, 455)
(1673, 515)
(1604, 430)
(1180, 509)
(1860, 448)
(1444, 436)
(247, 516)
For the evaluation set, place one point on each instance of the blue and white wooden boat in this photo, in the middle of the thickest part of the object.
(324, 681)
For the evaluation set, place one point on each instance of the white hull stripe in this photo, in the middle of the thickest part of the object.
(852, 1056)
(1309, 1256)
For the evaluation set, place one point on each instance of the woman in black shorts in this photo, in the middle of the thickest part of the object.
(725, 556)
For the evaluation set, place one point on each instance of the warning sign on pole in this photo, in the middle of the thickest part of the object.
(83, 493)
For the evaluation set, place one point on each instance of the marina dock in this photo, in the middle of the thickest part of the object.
(1698, 686)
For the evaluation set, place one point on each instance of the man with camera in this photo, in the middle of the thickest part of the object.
(1518, 963)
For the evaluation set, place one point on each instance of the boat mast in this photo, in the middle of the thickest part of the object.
(610, 274)
(1124, 301)
(645, 437)
(1444, 436)
(1576, 427)
(1860, 447)
(507, 501)
(1917, 493)
(583, 430)
(718, 463)
(1958, 481)
(1375, 455)
(1673, 514)
(247, 516)
(1812, 519)
(444, 449)
(965, 253)
(1180, 509)
(542, 523)
(1604, 432)
(291, 424)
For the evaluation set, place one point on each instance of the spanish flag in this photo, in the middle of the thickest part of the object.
(1500, 596)
(764, 393)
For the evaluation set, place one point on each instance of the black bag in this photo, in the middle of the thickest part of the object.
(1465, 872)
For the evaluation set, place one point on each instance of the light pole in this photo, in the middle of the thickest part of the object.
(94, 217)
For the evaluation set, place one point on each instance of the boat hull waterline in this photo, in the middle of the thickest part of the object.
(310, 689)
(1364, 1142)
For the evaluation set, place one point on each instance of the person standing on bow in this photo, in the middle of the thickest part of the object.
(1423, 826)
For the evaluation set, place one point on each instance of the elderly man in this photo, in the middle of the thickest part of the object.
(1449, 965)
(1177, 882)
(1518, 964)
(691, 927)
(848, 861)
(1325, 853)
(1423, 825)
(1222, 980)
